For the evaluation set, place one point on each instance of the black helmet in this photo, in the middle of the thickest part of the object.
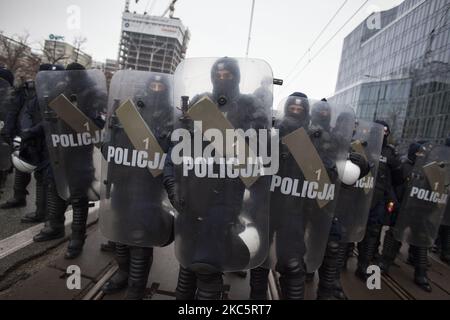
(7, 75)
(297, 99)
(226, 85)
(157, 91)
(75, 66)
(321, 114)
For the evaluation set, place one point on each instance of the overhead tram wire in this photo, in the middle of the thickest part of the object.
(316, 39)
(327, 43)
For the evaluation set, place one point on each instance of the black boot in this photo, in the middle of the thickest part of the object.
(445, 244)
(411, 257)
(366, 250)
(141, 260)
(80, 208)
(391, 248)
(292, 279)
(21, 181)
(56, 208)
(327, 272)
(187, 284)
(209, 286)
(421, 261)
(341, 258)
(119, 281)
(110, 246)
(259, 282)
(41, 202)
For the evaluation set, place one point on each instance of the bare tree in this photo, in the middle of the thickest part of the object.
(13, 50)
(78, 42)
(16, 55)
(51, 55)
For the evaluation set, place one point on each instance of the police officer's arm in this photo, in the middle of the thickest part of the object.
(361, 162)
(100, 103)
(169, 178)
(395, 167)
(28, 123)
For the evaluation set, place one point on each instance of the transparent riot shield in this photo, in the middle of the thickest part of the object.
(354, 201)
(140, 117)
(73, 104)
(425, 197)
(446, 218)
(222, 163)
(315, 139)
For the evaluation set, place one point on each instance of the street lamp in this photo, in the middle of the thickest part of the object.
(375, 114)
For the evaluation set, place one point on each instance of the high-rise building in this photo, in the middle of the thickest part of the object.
(151, 43)
(395, 66)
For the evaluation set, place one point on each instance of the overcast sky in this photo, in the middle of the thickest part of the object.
(282, 31)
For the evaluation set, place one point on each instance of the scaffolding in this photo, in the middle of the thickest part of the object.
(150, 43)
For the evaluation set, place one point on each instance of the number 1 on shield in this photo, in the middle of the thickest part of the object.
(146, 141)
(436, 185)
(87, 126)
(319, 172)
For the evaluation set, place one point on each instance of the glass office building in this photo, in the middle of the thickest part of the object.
(395, 66)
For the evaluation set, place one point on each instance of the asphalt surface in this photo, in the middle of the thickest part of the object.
(38, 271)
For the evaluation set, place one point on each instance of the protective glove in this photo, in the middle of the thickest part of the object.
(361, 162)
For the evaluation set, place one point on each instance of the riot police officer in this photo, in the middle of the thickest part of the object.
(329, 269)
(289, 235)
(33, 150)
(132, 215)
(71, 157)
(417, 220)
(10, 130)
(6, 102)
(389, 175)
(205, 229)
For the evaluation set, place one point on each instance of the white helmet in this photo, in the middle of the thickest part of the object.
(16, 143)
(348, 172)
(19, 163)
(250, 237)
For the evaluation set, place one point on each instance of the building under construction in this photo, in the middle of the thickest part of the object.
(152, 43)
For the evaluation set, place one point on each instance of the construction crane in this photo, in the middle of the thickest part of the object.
(127, 5)
(170, 8)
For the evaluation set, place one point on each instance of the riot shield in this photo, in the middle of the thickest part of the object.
(140, 117)
(5, 105)
(354, 201)
(315, 139)
(222, 162)
(425, 198)
(446, 218)
(73, 104)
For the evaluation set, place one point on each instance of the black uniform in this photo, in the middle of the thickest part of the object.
(329, 273)
(418, 256)
(138, 201)
(50, 206)
(223, 197)
(389, 175)
(12, 129)
(289, 232)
